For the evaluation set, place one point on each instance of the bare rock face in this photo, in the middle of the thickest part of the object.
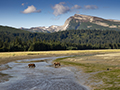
(83, 18)
(78, 18)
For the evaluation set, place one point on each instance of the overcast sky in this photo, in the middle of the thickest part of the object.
(35, 13)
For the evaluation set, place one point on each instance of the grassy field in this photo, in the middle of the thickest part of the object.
(11, 54)
(103, 69)
(6, 57)
(102, 66)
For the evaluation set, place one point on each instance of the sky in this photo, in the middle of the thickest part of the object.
(35, 13)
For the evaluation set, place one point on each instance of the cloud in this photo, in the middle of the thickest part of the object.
(91, 7)
(76, 7)
(60, 9)
(31, 9)
(23, 4)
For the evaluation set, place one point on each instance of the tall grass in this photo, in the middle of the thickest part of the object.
(98, 72)
(67, 52)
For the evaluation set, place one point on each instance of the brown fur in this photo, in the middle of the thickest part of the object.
(31, 65)
(57, 64)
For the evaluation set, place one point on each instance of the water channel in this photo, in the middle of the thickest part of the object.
(43, 77)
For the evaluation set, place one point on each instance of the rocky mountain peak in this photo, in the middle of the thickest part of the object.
(86, 18)
(79, 21)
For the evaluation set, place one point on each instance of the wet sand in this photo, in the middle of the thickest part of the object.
(5, 60)
(82, 77)
(43, 77)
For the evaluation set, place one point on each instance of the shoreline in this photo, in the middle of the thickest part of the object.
(14, 58)
(100, 59)
(5, 60)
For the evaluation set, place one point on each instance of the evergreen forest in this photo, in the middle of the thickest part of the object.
(12, 39)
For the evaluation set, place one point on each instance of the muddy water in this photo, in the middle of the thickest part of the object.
(43, 77)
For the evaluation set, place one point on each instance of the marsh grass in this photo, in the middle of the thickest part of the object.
(87, 67)
(33, 54)
(60, 59)
(67, 52)
(98, 71)
(110, 78)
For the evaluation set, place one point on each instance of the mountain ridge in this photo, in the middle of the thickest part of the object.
(79, 21)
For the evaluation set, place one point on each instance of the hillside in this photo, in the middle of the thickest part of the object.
(11, 29)
(12, 39)
(69, 36)
(78, 22)
(10, 33)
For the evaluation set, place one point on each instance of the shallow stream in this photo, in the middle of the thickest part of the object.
(43, 77)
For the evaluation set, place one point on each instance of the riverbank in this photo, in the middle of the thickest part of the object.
(93, 63)
(99, 71)
(6, 57)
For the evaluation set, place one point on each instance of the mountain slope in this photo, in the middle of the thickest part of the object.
(68, 36)
(91, 22)
(78, 21)
(11, 30)
(10, 33)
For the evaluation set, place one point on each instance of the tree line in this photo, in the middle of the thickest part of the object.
(12, 39)
(42, 45)
(68, 36)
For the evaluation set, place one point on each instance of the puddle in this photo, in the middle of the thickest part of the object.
(43, 77)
